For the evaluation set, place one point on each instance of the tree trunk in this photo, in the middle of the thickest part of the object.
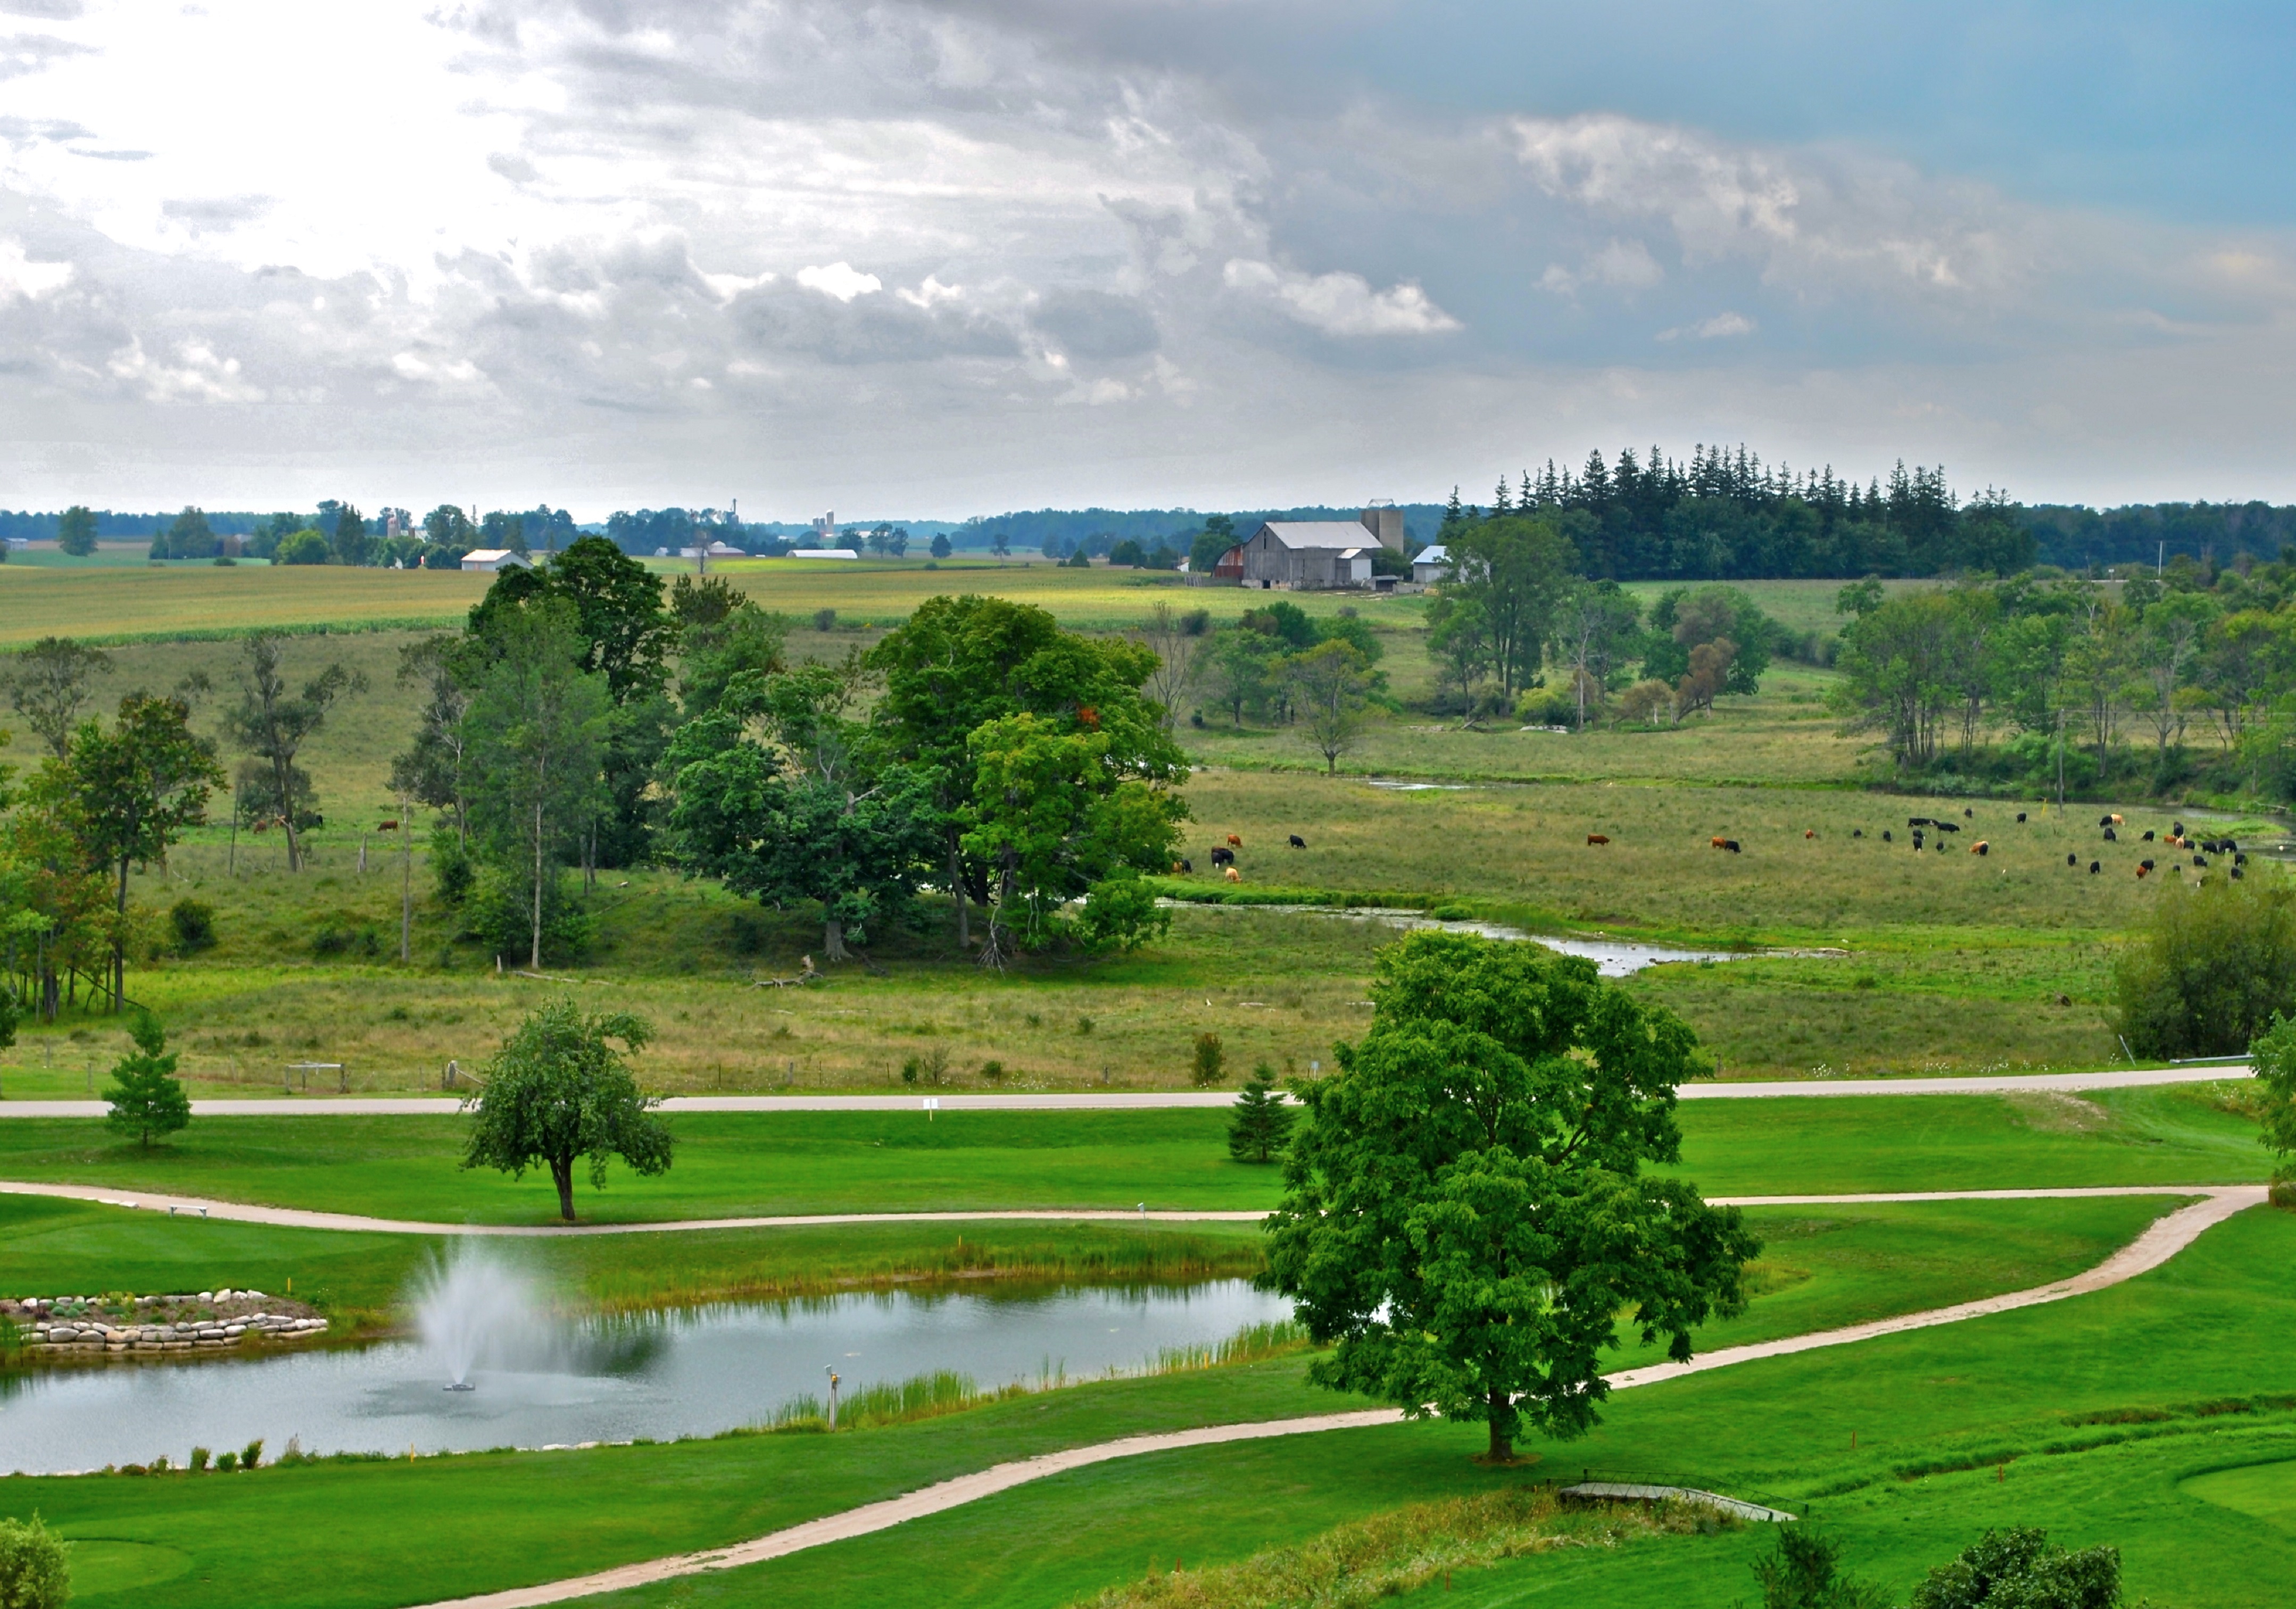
(405, 882)
(1502, 1449)
(535, 963)
(561, 1174)
(956, 887)
(281, 771)
(832, 940)
(120, 941)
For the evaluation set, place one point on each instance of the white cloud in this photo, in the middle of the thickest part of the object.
(1624, 265)
(842, 279)
(1341, 303)
(197, 375)
(1722, 326)
(21, 277)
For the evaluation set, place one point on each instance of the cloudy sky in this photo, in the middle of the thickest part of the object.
(952, 257)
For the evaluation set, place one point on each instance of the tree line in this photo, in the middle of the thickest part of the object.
(585, 718)
(2182, 681)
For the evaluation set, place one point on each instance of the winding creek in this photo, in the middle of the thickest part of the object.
(539, 1383)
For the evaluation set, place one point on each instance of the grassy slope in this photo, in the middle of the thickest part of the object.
(733, 1164)
(2214, 1323)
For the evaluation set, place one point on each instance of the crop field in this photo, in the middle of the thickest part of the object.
(2158, 1415)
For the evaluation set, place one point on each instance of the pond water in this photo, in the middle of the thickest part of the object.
(541, 1383)
(1613, 957)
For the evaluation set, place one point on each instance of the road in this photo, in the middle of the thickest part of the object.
(353, 1105)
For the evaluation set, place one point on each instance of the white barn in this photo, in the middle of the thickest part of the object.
(494, 558)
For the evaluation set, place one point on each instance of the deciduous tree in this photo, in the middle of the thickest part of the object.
(558, 1091)
(272, 723)
(50, 683)
(1465, 1215)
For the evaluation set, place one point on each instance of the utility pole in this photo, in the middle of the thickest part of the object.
(406, 884)
(2060, 762)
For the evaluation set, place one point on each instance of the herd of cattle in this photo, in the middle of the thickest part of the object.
(1921, 827)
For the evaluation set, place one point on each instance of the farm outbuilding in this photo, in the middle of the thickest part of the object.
(494, 558)
(1313, 554)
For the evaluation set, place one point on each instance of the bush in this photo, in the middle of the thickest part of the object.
(194, 925)
(2211, 969)
(825, 620)
(451, 872)
(992, 1072)
(500, 913)
(1800, 1573)
(1210, 1062)
(252, 1453)
(200, 1457)
(33, 1571)
(225, 1463)
(2020, 1567)
(360, 940)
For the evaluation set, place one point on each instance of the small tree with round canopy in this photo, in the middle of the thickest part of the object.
(557, 1090)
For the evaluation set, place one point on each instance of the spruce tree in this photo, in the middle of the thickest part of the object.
(1262, 1119)
(147, 1100)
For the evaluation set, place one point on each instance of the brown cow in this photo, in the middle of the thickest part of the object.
(388, 826)
(1717, 842)
(1234, 843)
(1979, 847)
(1596, 838)
(1811, 833)
(1233, 876)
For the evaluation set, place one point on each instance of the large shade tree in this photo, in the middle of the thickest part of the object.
(273, 721)
(1466, 1215)
(780, 796)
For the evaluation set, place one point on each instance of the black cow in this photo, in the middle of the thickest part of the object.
(2148, 835)
(1223, 856)
(1885, 836)
(2178, 829)
(2200, 861)
(1948, 827)
(2104, 821)
(1730, 844)
(1298, 843)
(2237, 873)
(2240, 858)
(2111, 836)
(2146, 864)
(1187, 866)
(1967, 814)
(2072, 860)
(2020, 817)
(2093, 869)
(1857, 832)
(1917, 821)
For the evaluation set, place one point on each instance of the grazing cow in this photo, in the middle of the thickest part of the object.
(1596, 837)
(2072, 860)
(1234, 843)
(1810, 833)
(2021, 818)
(388, 826)
(1181, 868)
(2093, 869)
(2148, 835)
(1716, 842)
(1298, 843)
(1967, 814)
(2240, 858)
(1886, 838)
(2178, 829)
(1857, 832)
(1978, 848)
(2144, 871)
(1948, 827)
(2106, 821)
(1223, 856)
(1917, 841)
(2200, 861)
(1730, 844)
(2111, 836)
(1233, 876)
(2143, 865)
(2237, 873)
(1917, 821)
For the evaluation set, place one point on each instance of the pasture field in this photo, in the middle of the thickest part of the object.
(2118, 1417)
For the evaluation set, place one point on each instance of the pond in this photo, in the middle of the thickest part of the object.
(539, 1382)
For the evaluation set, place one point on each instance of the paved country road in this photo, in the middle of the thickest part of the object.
(2163, 1240)
(436, 1106)
(298, 1218)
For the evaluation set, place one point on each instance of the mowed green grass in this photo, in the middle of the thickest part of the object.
(2094, 1408)
(56, 1247)
(731, 1164)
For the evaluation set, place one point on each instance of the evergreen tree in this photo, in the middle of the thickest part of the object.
(147, 1099)
(1262, 1121)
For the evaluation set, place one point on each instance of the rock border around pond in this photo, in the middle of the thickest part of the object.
(153, 1325)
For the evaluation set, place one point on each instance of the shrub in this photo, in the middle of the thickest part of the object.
(1195, 622)
(911, 1070)
(2019, 1566)
(360, 940)
(33, 1570)
(200, 1457)
(452, 873)
(1799, 1572)
(194, 924)
(825, 620)
(2210, 970)
(225, 1463)
(501, 911)
(992, 1072)
(252, 1453)
(1210, 1061)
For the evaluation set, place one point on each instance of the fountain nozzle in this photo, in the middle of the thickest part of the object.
(462, 1385)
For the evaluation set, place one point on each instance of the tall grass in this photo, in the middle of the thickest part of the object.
(1391, 1554)
(1253, 1343)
